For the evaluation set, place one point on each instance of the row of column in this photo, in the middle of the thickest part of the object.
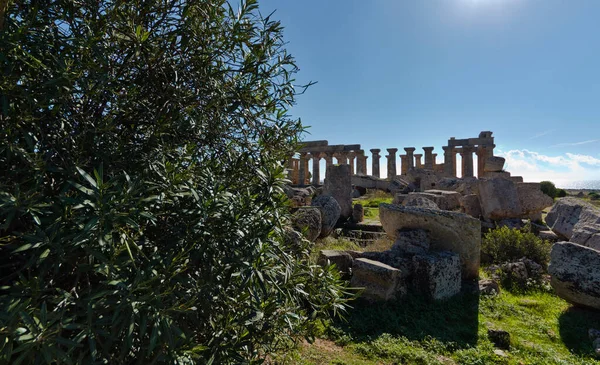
(301, 164)
(408, 161)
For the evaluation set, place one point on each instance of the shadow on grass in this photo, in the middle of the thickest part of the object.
(453, 320)
(573, 326)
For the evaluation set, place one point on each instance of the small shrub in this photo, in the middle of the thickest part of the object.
(548, 188)
(506, 245)
(561, 193)
(594, 196)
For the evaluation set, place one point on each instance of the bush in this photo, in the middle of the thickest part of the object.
(548, 188)
(561, 193)
(141, 189)
(507, 245)
(594, 195)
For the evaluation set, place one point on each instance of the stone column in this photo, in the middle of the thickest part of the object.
(351, 157)
(429, 159)
(418, 163)
(290, 168)
(391, 162)
(375, 162)
(316, 175)
(403, 164)
(302, 168)
(481, 156)
(342, 158)
(410, 157)
(467, 157)
(361, 163)
(449, 161)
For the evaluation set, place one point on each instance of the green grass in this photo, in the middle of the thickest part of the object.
(370, 203)
(544, 330)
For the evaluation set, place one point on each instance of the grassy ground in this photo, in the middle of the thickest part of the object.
(544, 330)
(370, 202)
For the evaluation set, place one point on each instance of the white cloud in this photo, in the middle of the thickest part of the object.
(561, 169)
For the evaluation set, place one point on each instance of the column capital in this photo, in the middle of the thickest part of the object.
(428, 149)
(375, 150)
(409, 150)
(392, 150)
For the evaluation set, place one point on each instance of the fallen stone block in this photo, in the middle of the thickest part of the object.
(576, 221)
(470, 205)
(437, 275)
(575, 271)
(330, 213)
(308, 221)
(380, 281)
(342, 260)
(499, 199)
(448, 231)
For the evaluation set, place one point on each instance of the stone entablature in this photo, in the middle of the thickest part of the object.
(483, 146)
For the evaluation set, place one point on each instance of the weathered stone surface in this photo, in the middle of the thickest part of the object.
(308, 221)
(370, 182)
(399, 198)
(419, 201)
(292, 238)
(531, 199)
(464, 186)
(575, 220)
(494, 163)
(400, 185)
(423, 179)
(330, 213)
(381, 281)
(499, 199)
(489, 287)
(338, 184)
(342, 260)
(469, 204)
(448, 231)
(412, 241)
(498, 175)
(575, 271)
(437, 275)
(445, 200)
(358, 213)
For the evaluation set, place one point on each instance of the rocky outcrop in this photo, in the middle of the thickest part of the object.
(308, 221)
(575, 271)
(338, 185)
(576, 221)
(448, 231)
(330, 213)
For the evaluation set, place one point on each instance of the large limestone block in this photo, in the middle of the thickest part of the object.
(499, 199)
(308, 221)
(341, 259)
(575, 271)
(338, 184)
(494, 164)
(464, 186)
(532, 199)
(330, 213)
(575, 220)
(380, 281)
(448, 231)
(423, 179)
(437, 275)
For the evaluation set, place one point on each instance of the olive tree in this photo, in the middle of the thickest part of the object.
(142, 214)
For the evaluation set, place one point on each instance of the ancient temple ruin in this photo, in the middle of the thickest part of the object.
(482, 146)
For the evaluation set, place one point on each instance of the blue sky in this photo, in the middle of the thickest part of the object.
(399, 73)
